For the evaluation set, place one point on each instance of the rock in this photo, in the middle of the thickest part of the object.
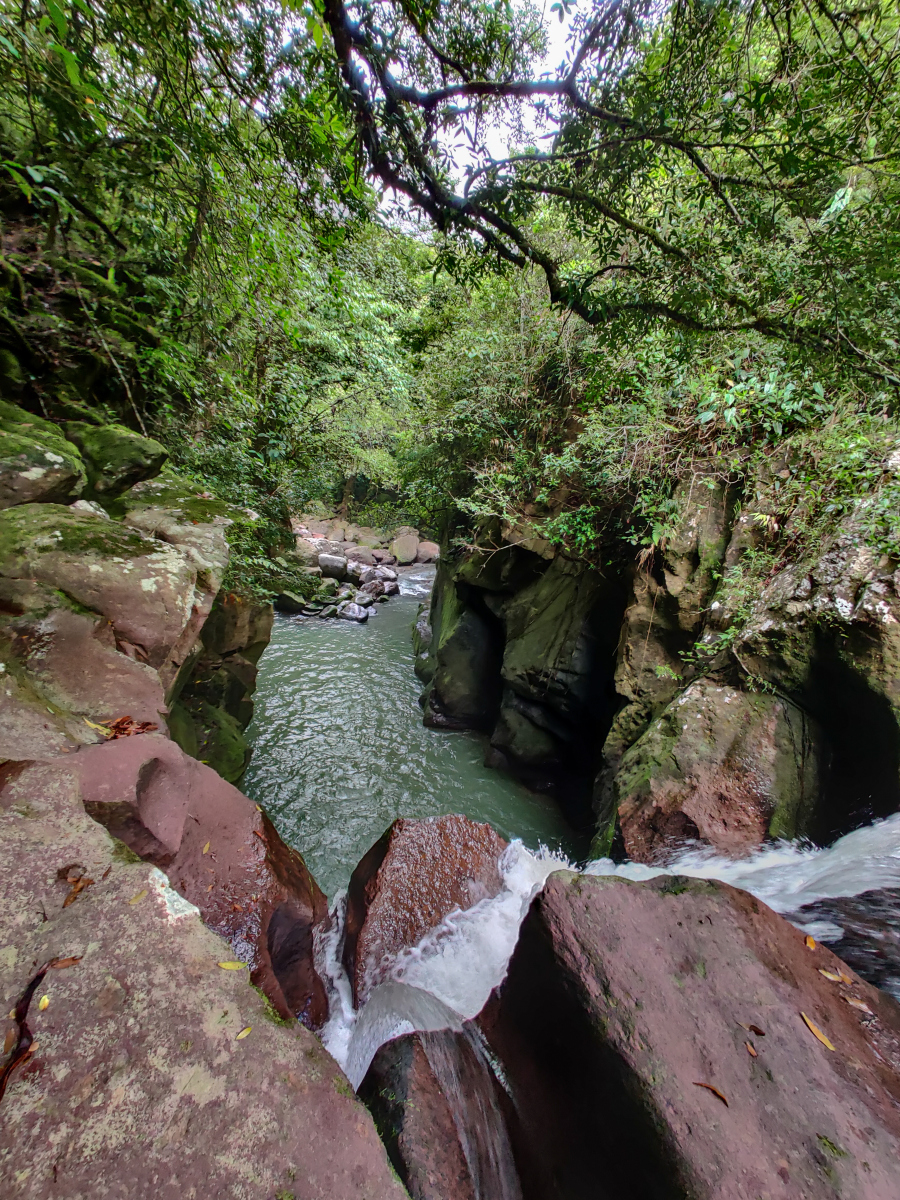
(406, 531)
(353, 612)
(428, 552)
(290, 602)
(382, 556)
(364, 599)
(325, 546)
(328, 587)
(307, 552)
(404, 548)
(167, 807)
(330, 611)
(374, 588)
(355, 570)
(140, 1040)
(621, 998)
(386, 574)
(422, 637)
(91, 507)
(116, 458)
(333, 566)
(864, 930)
(36, 461)
(362, 555)
(413, 876)
(391, 588)
(722, 767)
(442, 1117)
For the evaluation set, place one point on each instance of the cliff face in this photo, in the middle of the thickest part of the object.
(141, 891)
(686, 709)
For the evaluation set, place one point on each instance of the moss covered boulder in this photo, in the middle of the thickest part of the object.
(115, 457)
(36, 461)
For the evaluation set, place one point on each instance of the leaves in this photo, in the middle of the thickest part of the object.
(715, 1091)
(810, 942)
(232, 966)
(44, 1003)
(205, 849)
(136, 899)
(60, 964)
(816, 1032)
(244, 1032)
(859, 1004)
(751, 1049)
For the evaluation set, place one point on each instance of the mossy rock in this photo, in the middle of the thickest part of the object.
(34, 529)
(37, 464)
(116, 458)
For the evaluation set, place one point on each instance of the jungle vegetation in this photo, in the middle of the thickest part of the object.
(394, 255)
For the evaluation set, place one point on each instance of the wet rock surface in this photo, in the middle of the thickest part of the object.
(443, 1118)
(151, 1071)
(656, 1028)
(410, 880)
(864, 930)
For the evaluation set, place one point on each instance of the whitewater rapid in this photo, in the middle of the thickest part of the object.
(447, 978)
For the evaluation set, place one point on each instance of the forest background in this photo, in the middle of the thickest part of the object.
(389, 257)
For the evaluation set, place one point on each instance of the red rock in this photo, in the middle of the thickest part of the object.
(413, 877)
(221, 853)
(139, 1084)
(428, 552)
(443, 1118)
(626, 1003)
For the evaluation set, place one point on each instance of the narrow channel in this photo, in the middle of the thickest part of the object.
(340, 751)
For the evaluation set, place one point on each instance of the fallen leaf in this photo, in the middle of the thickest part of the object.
(211, 886)
(845, 978)
(32, 1048)
(60, 964)
(810, 942)
(751, 1050)
(105, 874)
(102, 729)
(78, 885)
(258, 809)
(752, 1029)
(816, 1032)
(831, 975)
(12, 1014)
(139, 897)
(12, 1036)
(232, 966)
(236, 908)
(858, 1004)
(715, 1091)
(259, 835)
(244, 1032)
(44, 1003)
(206, 848)
(127, 727)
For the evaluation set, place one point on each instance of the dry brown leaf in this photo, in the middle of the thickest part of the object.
(60, 964)
(751, 1050)
(244, 1032)
(810, 942)
(44, 1003)
(12, 1036)
(753, 1029)
(715, 1091)
(816, 1032)
(863, 1007)
(78, 886)
(139, 897)
(831, 975)
(206, 848)
(32, 1048)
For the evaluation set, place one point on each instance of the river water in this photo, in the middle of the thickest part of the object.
(340, 751)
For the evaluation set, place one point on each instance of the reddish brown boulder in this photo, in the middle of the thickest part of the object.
(150, 1071)
(654, 1033)
(413, 877)
(221, 853)
(443, 1118)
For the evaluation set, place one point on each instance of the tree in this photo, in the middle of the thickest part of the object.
(725, 166)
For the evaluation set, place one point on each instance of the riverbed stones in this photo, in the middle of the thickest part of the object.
(721, 767)
(290, 602)
(334, 566)
(364, 599)
(427, 552)
(404, 548)
(630, 1031)
(350, 611)
(154, 1073)
(36, 462)
(407, 883)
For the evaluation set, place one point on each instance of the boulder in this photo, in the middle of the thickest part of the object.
(221, 853)
(382, 556)
(373, 588)
(428, 552)
(658, 1028)
(467, 651)
(307, 552)
(353, 612)
(386, 574)
(356, 570)
(146, 1042)
(361, 554)
(289, 602)
(410, 880)
(329, 611)
(404, 548)
(364, 599)
(720, 766)
(443, 1117)
(334, 566)
(391, 587)
(326, 546)
(36, 462)
(115, 457)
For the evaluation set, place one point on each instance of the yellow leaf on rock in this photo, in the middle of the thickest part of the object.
(45, 1000)
(244, 1032)
(831, 975)
(816, 1032)
(232, 966)
(751, 1050)
(206, 848)
(858, 1004)
(138, 898)
(810, 942)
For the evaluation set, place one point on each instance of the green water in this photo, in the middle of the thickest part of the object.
(339, 749)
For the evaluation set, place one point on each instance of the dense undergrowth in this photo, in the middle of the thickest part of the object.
(190, 245)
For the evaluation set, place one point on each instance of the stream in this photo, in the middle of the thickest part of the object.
(340, 752)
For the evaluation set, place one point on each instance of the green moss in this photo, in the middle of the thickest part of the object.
(830, 1147)
(40, 528)
(124, 854)
(116, 458)
(270, 1012)
(342, 1086)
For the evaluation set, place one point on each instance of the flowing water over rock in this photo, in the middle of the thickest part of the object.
(340, 750)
